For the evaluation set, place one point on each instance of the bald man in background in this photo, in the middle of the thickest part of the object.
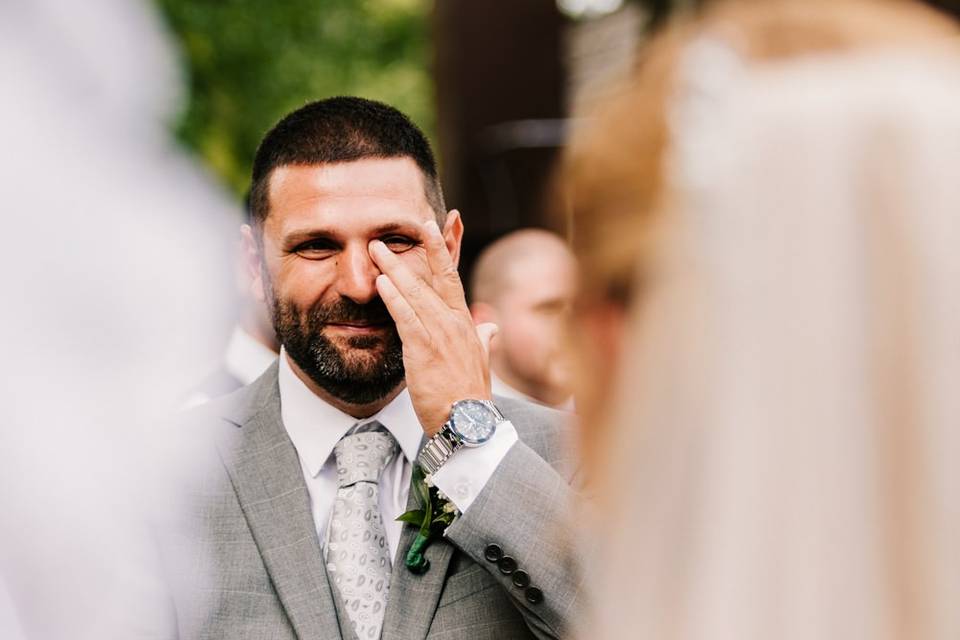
(524, 282)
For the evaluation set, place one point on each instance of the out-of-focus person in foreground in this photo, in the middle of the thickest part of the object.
(768, 223)
(112, 279)
(524, 283)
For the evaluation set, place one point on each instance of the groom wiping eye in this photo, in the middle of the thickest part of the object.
(371, 465)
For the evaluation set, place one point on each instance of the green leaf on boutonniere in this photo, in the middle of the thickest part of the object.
(435, 514)
(420, 486)
(446, 519)
(412, 517)
(423, 496)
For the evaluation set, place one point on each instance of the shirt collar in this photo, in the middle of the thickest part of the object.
(246, 357)
(315, 427)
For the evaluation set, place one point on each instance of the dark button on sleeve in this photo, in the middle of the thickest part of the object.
(493, 553)
(521, 579)
(533, 595)
(507, 565)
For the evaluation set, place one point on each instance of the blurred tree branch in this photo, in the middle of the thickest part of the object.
(249, 63)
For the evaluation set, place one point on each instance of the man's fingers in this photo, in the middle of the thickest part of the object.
(408, 323)
(485, 332)
(418, 294)
(445, 275)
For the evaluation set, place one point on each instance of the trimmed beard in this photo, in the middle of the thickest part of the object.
(361, 377)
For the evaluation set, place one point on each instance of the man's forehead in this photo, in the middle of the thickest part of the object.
(388, 177)
(541, 275)
(376, 190)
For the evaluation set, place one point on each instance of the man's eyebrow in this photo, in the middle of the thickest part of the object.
(556, 300)
(299, 236)
(393, 227)
(296, 237)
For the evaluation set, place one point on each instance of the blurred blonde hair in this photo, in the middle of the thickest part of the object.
(611, 176)
(611, 188)
(778, 456)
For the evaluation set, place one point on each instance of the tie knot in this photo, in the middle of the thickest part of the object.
(362, 456)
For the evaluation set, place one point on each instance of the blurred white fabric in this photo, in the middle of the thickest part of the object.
(110, 61)
(116, 277)
(789, 418)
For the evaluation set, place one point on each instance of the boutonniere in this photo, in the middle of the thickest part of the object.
(435, 514)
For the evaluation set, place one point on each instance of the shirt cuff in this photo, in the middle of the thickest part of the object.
(464, 475)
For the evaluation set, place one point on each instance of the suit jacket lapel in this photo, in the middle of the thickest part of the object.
(266, 475)
(413, 599)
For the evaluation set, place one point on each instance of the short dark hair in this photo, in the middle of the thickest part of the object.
(341, 129)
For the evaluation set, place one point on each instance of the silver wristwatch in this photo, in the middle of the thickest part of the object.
(472, 423)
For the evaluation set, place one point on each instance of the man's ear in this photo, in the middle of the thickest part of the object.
(453, 234)
(482, 312)
(252, 259)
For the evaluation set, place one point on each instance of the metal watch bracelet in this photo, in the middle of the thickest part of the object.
(438, 449)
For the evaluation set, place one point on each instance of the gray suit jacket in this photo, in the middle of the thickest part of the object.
(251, 566)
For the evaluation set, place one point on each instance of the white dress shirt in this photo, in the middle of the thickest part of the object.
(246, 357)
(315, 427)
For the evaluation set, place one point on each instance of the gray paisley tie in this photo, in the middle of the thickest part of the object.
(357, 553)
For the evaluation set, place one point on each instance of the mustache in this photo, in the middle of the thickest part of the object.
(346, 311)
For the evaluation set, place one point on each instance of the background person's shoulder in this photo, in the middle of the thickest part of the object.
(237, 407)
(532, 416)
(547, 431)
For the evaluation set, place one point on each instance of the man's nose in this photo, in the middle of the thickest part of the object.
(357, 275)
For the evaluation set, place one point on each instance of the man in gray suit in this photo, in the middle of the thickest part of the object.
(381, 369)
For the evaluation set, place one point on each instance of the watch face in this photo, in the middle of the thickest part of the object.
(473, 421)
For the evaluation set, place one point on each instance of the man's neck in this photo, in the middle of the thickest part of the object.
(358, 411)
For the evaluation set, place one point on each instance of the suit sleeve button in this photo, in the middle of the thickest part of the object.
(533, 595)
(507, 565)
(521, 579)
(493, 553)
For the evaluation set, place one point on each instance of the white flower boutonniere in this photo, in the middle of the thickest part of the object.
(435, 514)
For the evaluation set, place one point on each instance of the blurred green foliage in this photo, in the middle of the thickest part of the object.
(250, 63)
